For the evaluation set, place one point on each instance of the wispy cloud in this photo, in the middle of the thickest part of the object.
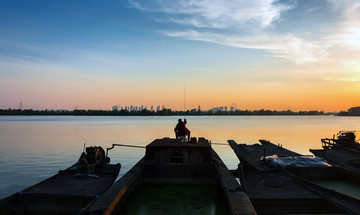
(346, 32)
(218, 14)
(254, 24)
(313, 9)
(284, 46)
(342, 79)
(34, 68)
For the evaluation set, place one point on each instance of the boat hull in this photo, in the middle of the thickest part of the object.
(167, 161)
(63, 193)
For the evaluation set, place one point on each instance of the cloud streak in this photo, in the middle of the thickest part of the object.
(254, 24)
(283, 46)
(217, 14)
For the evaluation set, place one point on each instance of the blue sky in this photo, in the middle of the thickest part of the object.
(259, 54)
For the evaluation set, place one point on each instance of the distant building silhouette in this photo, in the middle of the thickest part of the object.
(354, 111)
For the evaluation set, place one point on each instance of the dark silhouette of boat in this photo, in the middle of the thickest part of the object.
(71, 191)
(170, 162)
(342, 150)
(289, 186)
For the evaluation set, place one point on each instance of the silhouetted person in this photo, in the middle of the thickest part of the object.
(181, 131)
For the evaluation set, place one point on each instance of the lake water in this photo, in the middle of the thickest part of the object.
(36, 147)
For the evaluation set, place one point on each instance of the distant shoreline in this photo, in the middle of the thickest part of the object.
(164, 112)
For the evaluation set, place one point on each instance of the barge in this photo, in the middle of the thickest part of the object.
(71, 191)
(170, 163)
(294, 187)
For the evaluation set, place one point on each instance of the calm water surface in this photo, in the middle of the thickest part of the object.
(36, 147)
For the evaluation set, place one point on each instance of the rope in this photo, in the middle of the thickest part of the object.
(113, 145)
(135, 146)
(223, 144)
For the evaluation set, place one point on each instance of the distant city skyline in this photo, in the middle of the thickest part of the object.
(274, 54)
(137, 108)
(225, 108)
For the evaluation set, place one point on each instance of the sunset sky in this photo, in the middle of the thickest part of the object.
(92, 54)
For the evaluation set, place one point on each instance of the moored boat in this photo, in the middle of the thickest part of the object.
(343, 139)
(294, 187)
(70, 191)
(170, 171)
(342, 150)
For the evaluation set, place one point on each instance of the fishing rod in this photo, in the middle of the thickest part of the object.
(184, 95)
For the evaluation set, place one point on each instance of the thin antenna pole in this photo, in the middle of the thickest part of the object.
(184, 94)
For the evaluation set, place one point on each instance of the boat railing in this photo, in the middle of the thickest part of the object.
(328, 143)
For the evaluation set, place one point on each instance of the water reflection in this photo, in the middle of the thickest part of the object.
(36, 147)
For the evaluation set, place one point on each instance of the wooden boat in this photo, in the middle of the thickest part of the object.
(68, 192)
(342, 150)
(289, 189)
(168, 162)
(344, 139)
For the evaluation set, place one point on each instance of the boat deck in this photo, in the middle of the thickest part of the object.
(65, 183)
(275, 185)
(339, 157)
(250, 155)
(63, 193)
(274, 190)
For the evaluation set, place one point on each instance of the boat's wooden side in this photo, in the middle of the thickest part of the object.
(62, 193)
(238, 202)
(167, 161)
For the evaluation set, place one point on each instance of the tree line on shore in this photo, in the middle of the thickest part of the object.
(164, 112)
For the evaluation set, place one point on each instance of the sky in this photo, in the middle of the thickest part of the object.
(252, 54)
